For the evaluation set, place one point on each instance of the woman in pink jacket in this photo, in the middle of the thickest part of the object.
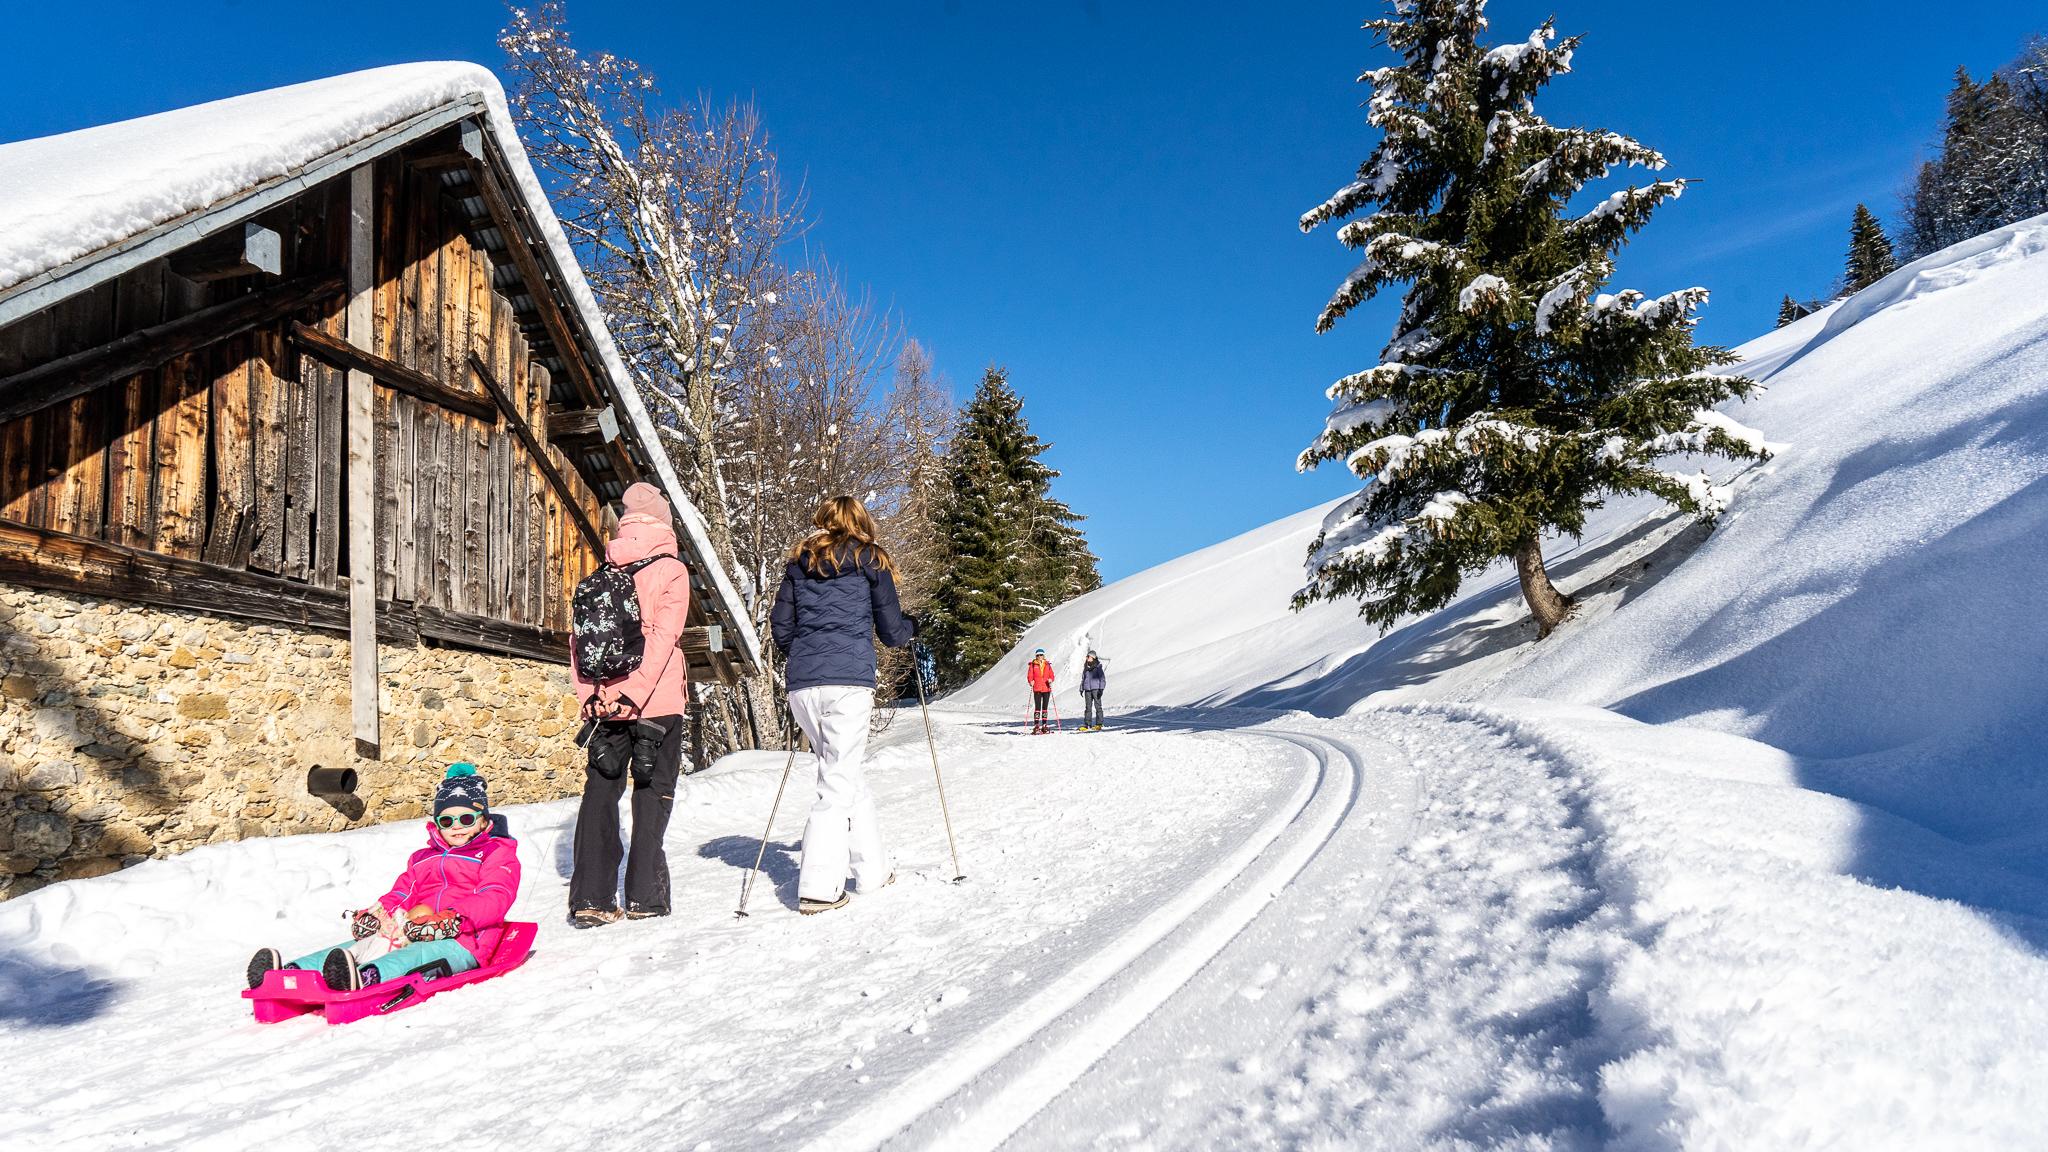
(444, 913)
(640, 727)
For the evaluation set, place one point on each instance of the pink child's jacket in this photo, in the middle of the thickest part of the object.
(478, 880)
(661, 685)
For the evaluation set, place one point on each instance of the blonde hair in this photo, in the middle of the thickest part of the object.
(842, 523)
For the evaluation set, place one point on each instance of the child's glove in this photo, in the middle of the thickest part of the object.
(364, 923)
(442, 926)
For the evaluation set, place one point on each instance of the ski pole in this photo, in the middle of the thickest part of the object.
(932, 744)
(1054, 699)
(747, 884)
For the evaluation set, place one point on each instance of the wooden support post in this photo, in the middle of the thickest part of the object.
(362, 471)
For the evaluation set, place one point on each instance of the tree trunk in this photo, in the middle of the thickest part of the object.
(1546, 603)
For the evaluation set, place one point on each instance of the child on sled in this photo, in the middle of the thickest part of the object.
(445, 912)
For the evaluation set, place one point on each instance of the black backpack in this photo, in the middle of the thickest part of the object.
(605, 615)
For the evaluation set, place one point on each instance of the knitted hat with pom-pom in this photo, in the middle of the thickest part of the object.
(462, 788)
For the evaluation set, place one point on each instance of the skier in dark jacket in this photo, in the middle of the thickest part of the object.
(1093, 681)
(838, 594)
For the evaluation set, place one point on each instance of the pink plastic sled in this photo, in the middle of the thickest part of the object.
(286, 993)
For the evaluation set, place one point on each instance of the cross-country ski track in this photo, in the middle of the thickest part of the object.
(1104, 870)
(1176, 908)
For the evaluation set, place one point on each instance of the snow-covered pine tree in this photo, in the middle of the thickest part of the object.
(1515, 394)
(1788, 311)
(1013, 552)
(1870, 253)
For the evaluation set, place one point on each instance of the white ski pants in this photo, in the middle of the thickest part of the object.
(842, 831)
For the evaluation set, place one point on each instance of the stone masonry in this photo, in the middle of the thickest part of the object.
(129, 732)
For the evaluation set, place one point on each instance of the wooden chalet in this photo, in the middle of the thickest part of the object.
(320, 357)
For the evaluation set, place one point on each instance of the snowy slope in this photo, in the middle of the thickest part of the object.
(1896, 530)
(1791, 771)
(1213, 628)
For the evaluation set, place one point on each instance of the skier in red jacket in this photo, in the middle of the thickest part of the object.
(1039, 675)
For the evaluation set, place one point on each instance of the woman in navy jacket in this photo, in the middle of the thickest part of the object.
(838, 594)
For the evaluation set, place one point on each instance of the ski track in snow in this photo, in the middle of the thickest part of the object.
(1432, 979)
(1172, 935)
(699, 1030)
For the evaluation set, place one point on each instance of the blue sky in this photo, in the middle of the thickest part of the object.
(1101, 194)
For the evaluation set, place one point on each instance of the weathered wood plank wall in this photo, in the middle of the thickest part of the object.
(232, 455)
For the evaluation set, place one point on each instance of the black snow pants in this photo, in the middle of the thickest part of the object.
(1091, 707)
(651, 749)
(1039, 700)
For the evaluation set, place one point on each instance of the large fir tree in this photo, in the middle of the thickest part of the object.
(1870, 252)
(1012, 551)
(1515, 394)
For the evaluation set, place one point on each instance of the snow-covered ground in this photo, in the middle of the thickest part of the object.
(1747, 855)
(701, 1029)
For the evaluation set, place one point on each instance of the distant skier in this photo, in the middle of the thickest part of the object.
(1039, 675)
(443, 914)
(838, 594)
(1093, 681)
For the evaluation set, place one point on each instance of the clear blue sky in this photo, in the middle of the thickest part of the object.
(1101, 194)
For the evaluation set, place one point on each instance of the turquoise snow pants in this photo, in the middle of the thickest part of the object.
(401, 961)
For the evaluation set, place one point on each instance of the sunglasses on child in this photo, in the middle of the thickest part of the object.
(466, 819)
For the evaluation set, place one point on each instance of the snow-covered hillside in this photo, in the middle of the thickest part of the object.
(1868, 590)
(1805, 750)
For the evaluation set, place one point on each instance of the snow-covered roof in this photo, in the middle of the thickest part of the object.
(81, 207)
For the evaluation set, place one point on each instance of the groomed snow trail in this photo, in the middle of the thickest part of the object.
(1032, 1054)
(1202, 928)
(698, 1030)
(1428, 976)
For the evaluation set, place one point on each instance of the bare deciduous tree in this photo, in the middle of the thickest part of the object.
(762, 380)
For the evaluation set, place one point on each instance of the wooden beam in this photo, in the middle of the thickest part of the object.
(152, 347)
(539, 453)
(705, 650)
(243, 250)
(485, 634)
(392, 374)
(598, 425)
(41, 558)
(362, 471)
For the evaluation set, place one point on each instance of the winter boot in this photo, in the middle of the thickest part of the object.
(263, 963)
(643, 912)
(594, 917)
(340, 972)
(811, 907)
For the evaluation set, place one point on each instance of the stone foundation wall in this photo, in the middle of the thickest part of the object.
(129, 732)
